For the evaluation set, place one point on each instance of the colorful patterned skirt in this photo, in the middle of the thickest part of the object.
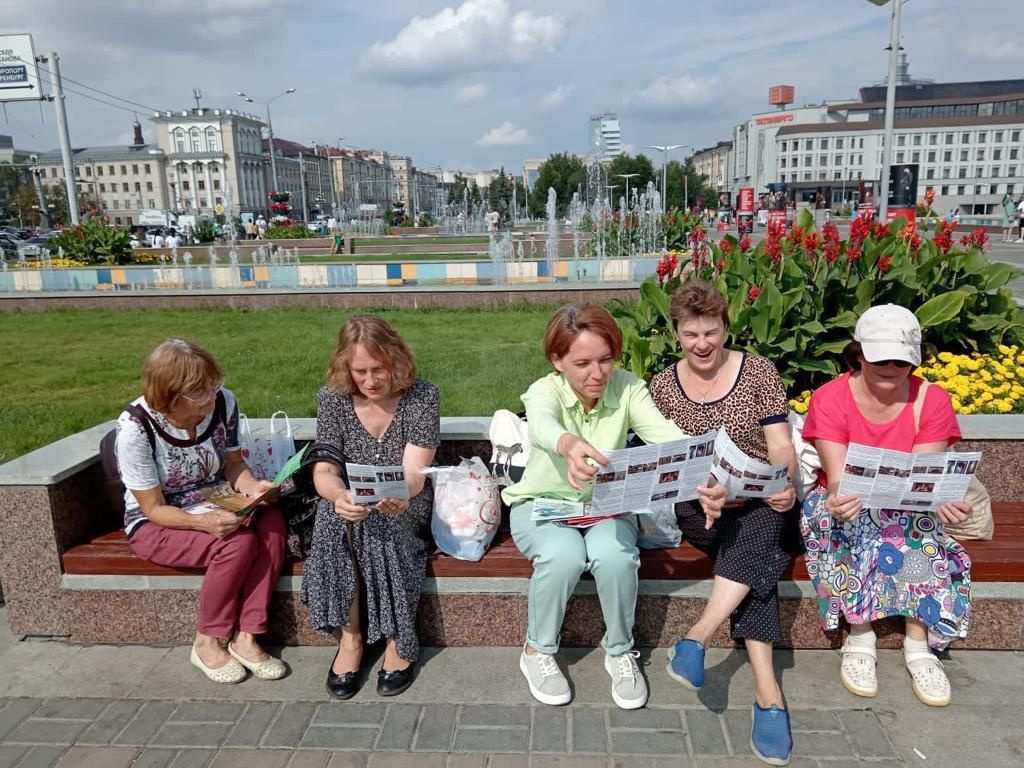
(887, 563)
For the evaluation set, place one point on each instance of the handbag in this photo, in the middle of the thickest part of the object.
(467, 508)
(266, 452)
(808, 463)
(659, 530)
(510, 446)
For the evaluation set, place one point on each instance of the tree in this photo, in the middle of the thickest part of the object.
(457, 189)
(475, 198)
(566, 174)
(499, 193)
(625, 164)
(696, 184)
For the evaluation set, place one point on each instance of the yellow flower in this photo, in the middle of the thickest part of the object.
(1004, 350)
(945, 357)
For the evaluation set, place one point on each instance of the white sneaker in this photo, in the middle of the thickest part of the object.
(1019, 240)
(629, 689)
(547, 683)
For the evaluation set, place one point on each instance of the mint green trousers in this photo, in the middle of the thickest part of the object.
(560, 555)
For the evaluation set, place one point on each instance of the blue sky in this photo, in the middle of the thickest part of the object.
(483, 83)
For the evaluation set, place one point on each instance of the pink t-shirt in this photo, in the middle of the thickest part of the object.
(833, 415)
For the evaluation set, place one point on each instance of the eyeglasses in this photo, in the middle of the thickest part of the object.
(206, 397)
(897, 363)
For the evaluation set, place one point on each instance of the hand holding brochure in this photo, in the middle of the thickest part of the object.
(223, 496)
(916, 482)
(744, 477)
(371, 484)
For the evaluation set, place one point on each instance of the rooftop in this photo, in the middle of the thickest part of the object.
(104, 154)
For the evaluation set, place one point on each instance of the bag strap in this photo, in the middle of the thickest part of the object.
(140, 415)
(919, 405)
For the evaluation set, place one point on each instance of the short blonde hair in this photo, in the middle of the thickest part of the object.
(382, 342)
(174, 368)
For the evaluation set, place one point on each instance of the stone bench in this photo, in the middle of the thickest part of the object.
(68, 571)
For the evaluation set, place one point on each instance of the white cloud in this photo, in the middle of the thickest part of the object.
(467, 94)
(479, 34)
(558, 96)
(505, 134)
(675, 95)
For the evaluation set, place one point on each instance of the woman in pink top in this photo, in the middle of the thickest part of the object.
(869, 564)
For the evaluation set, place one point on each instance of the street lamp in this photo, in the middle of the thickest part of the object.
(890, 105)
(627, 177)
(665, 149)
(270, 129)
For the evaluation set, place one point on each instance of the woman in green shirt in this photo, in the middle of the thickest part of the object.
(586, 405)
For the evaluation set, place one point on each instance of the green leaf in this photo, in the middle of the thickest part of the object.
(865, 294)
(658, 300)
(940, 309)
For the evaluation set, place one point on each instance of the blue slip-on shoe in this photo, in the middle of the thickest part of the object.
(770, 738)
(686, 663)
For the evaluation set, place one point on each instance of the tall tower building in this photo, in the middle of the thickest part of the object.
(604, 136)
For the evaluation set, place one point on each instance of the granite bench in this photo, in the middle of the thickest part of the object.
(68, 571)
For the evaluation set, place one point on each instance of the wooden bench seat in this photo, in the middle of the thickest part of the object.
(1001, 559)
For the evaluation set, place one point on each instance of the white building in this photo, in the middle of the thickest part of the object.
(604, 136)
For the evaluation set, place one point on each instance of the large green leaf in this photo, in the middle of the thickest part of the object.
(940, 309)
(656, 298)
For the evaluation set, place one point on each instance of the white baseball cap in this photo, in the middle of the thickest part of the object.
(889, 332)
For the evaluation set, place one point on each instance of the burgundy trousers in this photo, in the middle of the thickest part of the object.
(241, 568)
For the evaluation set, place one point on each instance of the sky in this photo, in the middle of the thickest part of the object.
(486, 83)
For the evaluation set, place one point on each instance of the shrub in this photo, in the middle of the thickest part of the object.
(288, 232)
(795, 297)
(205, 231)
(93, 242)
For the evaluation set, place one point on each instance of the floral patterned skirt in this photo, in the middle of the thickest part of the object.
(887, 563)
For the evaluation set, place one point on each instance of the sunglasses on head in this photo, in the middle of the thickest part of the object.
(897, 363)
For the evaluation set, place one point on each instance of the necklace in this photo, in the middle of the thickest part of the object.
(714, 380)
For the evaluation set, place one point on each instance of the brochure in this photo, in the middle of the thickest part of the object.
(371, 484)
(223, 496)
(914, 482)
(743, 476)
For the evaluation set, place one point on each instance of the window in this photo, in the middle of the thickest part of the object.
(981, 154)
(999, 137)
(124, 187)
(201, 184)
(184, 185)
(145, 168)
(944, 191)
(917, 140)
(915, 157)
(152, 203)
(961, 175)
(979, 172)
(982, 137)
(997, 154)
(901, 140)
(218, 201)
(933, 139)
(782, 177)
(978, 189)
(822, 159)
(110, 169)
(1011, 171)
(901, 157)
(808, 160)
(824, 143)
(809, 144)
(1015, 137)
(88, 170)
(1013, 153)
(216, 182)
(124, 170)
(783, 164)
(945, 173)
(135, 170)
(965, 138)
(99, 170)
(993, 189)
(53, 173)
(961, 190)
(117, 204)
(837, 176)
(796, 161)
(117, 219)
(839, 143)
(860, 144)
(783, 149)
(149, 186)
(202, 202)
(931, 156)
(963, 155)
(807, 175)
(930, 174)
(838, 159)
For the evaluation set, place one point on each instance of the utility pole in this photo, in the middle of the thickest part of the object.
(57, 94)
(890, 109)
(37, 181)
(302, 185)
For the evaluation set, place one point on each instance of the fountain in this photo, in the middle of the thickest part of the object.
(501, 251)
(551, 245)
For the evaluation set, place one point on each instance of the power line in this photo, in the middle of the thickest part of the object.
(67, 79)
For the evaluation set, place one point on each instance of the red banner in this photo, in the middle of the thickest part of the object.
(746, 200)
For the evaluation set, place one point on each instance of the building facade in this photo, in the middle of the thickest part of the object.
(604, 136)
(713, 162)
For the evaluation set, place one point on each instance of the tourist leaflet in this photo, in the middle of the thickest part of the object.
(652, 478)
(223, 496)
(914, 482)
(371, 484)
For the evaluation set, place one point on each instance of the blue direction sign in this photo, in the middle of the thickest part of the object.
(19, 76)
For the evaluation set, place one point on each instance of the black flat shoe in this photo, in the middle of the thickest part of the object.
(343, 686)
(394, 683)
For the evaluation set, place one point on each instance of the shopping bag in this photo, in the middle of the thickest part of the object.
(510, 446)
(467, 508)
(659, 530)
(266, 451)
(282, 442)
(808, 464)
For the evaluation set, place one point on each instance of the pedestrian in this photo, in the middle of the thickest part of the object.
(172, 240)
(1020, 220)
(261, 227)
(1009, 210)
(158, 239)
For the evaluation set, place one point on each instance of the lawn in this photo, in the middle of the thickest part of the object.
(69, 370)
(201, 257)
(429, 240)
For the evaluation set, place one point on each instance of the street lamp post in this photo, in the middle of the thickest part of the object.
(665, 149)
(890, 105)
(270, 130)
(627, 177)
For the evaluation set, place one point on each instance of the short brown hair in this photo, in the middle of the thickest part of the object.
(696, 298)
(381, 341)
(174, 368)
(570, 321)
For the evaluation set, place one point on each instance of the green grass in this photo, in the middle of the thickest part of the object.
(68, 370)
(429, 240)
(358, 258)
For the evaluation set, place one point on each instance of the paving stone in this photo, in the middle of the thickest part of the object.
(252, 724)
(407, 760)
(634, 761)
(47, 732)
(811, 720)
(865, 734)
(469, 761)
(71, 709)
(705, 729)
(309, 760)
(147, 722)
(550, 730)
(821, 745)
(349, 760)
(492, 740)
(10, 755)
(336, 713)
(656, 719)
(505, 717)
(588, 730)
(98, 757)
(436, 728)
(192, 758)
(251, 758)
(291, 723)
(13, 712)
(191, 735)
(737, 725)
(155, 758)
(338, 737)
(508, 761)
(568, 761)
(110, 723)
(208, 712)
(648, 743)
(41, 757)
(399, 727)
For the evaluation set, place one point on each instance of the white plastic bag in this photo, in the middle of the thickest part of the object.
(266, 452)
(659, 530)
(467, 508)
(807, 461)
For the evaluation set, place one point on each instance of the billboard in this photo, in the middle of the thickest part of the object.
(745, 210)
(902, 198)
(19, 75)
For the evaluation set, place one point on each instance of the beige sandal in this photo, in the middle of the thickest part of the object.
(232, 672)
(929, 679)
(857, 671)
(269, 669)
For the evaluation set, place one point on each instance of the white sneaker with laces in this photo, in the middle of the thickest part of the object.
(547, 683)
(629, 689)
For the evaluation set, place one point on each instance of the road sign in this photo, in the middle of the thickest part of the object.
(19, 76)
(218, 209)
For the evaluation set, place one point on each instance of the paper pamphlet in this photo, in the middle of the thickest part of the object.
(915, 482)
(745, 477)
(371, 484)
(223, 496)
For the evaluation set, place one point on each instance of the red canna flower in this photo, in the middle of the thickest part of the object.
(852, 253)
(811, 241)
(977, 239)
(831, 252)
(884, 264)
(721, 265)
(745, 243)
(726, 246)
(753, 293)
(881, 230)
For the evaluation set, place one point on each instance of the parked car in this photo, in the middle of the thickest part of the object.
(33, 248)
(8, 246)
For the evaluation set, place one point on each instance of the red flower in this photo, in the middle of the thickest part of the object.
(745, 243)
(977, 239)
(666, 267)
(771, 247)
(852, 253)
(884, 264)
(881, 230)
(831, 252)
(811, 241)
(721, 265)
(860, 229)
(944, 237)
(830, 232)
(726, 245)
(753, 293)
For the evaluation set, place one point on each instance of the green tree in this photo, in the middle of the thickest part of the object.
(566, 174)
(696, 184)
(457, 188)
(626, 164)
(499, 193)
(475, 197)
